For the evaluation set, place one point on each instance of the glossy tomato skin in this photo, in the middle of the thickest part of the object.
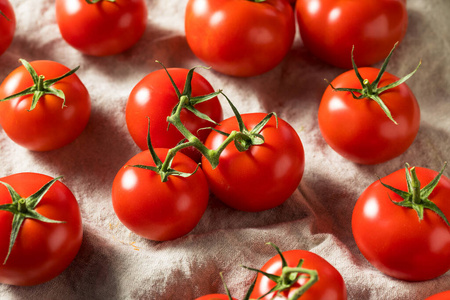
(330, 286)
(262, 177)
(48, 126)
(156, 210)
(103, 28)
(214, 297)
(393, 239)
(7, 25)
(153, 99)
(42, 250)
(440, 296)
(329, 29)
(359, 130)
(240, 37)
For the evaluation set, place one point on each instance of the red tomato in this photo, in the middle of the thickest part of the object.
(393, 239)
(103, 28)
(359, 130)
(330, 28)
(262, 177)
(49, 125)
(41, 250)
(7, 25)
(153, 99)
(330, 285)
(215, 297)
(240, 37)
(158, 210)
(440, 296)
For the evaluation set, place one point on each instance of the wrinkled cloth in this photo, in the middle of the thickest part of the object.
(114, 263)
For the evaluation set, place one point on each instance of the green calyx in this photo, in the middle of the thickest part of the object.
(416, 197)
(96, 1)
(289, 277)
(3, 15)
(371, 90)
(227, 291)
(41, 86)
(24, 208)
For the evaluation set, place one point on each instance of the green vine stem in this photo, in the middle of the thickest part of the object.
(3, 15)
(96, 1)
(243, 138)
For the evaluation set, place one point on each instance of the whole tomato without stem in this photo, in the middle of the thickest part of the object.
(440, 296)
(401, 228)
(7, 25)
(101, 27)
(262, 175)
(298, 274)
(41, 228)
(369, 116)
(154, 98)
(329, 29)
(156, 209)
(240, 37)
(44, 105)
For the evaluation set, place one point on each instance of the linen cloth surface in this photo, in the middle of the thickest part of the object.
(114, 263)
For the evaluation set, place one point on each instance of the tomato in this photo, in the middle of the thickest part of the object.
(7, 25)
(153, 98)
(240, 37)
(41, 250)
(263, 176)
(440, 296)
(49, 125)
(215, 297)
(329, 29)
(359, 130)
(102, 28)
(330, 285)
(393, 238)
(159, 210)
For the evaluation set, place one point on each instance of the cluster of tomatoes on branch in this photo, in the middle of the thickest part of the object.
(188, 150)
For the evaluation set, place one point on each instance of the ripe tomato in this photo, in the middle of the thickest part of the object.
(393, 239)
(359, 130)
(7, 25)
(153, 99)
(262, 177)
(330, 285)
(158, 210)
(329, 29)
(41, 250)
(49, 125)
(440, 296)
(240, 37)
(101, 28)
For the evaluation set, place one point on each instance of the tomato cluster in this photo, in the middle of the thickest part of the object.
(251, 162)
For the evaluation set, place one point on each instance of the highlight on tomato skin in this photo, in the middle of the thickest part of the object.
(7, 25)
(42, 250)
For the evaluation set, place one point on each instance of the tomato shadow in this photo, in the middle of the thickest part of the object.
(91, 274)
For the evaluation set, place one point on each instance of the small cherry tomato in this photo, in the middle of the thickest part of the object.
(42, 249)
(240, 37)
(440, 296)
(7, 25)
(103, 27)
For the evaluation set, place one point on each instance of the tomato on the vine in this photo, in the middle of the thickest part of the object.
(215, 297)
(154, 98)
(298, 274)
(261, 177)
(366, 118)
(48, 105)
(240, 37)
(401, 224)
(159, 210)
(329, 29)
(7, 25)
(440, 296)
(48, 228)
(102, 27)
